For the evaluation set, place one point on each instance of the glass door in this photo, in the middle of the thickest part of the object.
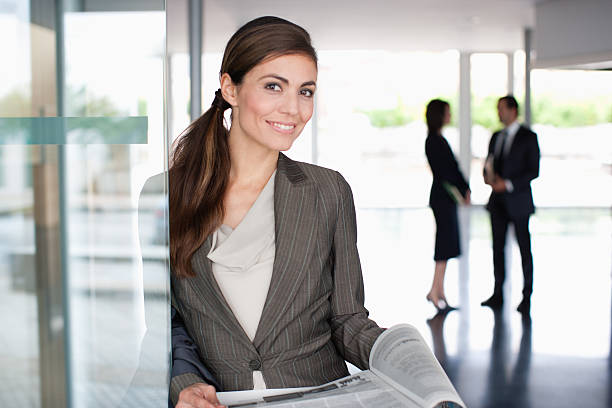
(83, 204)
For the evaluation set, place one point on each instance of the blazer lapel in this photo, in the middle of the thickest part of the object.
(207, 289)
(295, 204)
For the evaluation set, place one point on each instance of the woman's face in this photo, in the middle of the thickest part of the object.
(447, 116)
(274, 101)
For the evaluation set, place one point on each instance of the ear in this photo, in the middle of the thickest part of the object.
(229, 90)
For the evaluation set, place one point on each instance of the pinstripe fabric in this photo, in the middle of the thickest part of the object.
(182, 381)
(313, 318)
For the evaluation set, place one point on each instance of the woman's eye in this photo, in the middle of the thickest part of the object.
(273, 87)
(307, 92)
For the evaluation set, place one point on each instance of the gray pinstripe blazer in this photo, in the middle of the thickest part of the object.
(313, 318)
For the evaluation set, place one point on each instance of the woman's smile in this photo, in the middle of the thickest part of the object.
(282, 127)
(273, 103)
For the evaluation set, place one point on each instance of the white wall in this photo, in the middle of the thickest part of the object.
(573, 33)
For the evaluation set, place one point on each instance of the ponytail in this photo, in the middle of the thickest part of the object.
(198, 177)
(200, 165)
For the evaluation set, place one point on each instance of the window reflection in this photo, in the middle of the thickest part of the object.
(118, 300)
(87, 197)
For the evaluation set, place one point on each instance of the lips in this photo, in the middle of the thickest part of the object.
(281, 126)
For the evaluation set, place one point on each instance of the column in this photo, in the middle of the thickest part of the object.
(195, 57)
(465, 158)
(528, 46)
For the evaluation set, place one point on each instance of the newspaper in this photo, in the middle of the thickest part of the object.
(454, 193)
(403, 373)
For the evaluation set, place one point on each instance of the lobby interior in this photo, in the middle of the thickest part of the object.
(83, 250)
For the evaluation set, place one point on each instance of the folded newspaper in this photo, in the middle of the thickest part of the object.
(454, 193)
(403, 373)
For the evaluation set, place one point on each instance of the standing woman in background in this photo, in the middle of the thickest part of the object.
(448, 188)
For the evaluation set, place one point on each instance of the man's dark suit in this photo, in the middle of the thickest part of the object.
(520, 164)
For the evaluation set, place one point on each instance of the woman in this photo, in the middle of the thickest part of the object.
(448, 188)
(266, 278)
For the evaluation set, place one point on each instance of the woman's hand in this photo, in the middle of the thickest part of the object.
(468, 198)
(198, 396)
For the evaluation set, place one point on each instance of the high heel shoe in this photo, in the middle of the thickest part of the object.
(439, 304)
(448, 307)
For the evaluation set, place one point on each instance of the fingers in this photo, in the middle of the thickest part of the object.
(183, 404)
(210, 395)
(198, 396)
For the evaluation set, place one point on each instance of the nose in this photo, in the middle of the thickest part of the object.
(290, 104)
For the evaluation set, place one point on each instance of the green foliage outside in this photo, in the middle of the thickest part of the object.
(484, 112)
(14, 104)
(142, 107)
(550, 111)
(403, 114)
(545, 110)
(78, 104)
(383, 118)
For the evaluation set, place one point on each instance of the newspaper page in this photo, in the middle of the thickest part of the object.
(401, 357)
(362, 390)
(454, 193)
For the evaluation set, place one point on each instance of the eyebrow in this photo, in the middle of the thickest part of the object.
(286, 81)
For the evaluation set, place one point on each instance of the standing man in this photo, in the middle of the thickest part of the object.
(513, 161)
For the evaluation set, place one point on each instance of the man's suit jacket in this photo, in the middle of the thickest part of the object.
(314, 316)
(521, 165)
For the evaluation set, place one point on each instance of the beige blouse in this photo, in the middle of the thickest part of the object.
(242, 261)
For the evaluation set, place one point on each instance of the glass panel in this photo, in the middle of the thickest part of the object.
(572, 115)
(519, 75)
(371, 120)
(19, 340)
(119, 308)
(83, 253)
(178, 98)
(489, 78)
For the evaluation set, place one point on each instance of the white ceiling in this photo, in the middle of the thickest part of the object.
(471, 25)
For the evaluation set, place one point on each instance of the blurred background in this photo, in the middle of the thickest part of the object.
(93, 93)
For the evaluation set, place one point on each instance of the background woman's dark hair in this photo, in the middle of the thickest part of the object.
(436, 109)
(200, 162)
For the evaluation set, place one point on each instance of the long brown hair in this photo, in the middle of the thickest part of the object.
(200, 163)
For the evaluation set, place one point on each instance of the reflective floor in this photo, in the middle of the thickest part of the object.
(560, 357)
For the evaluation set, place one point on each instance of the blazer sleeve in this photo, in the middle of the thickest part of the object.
(531, 169)
(187, 368)
(353, 333)
(443, 164)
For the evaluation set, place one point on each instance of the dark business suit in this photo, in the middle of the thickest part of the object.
(313, 318)
(445, 169)
(520, 165)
